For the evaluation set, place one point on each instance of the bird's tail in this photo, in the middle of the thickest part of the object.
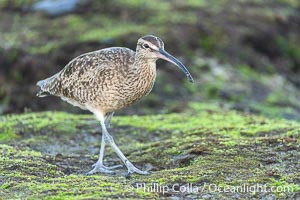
(42, 93)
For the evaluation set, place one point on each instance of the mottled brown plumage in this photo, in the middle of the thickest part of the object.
(104, 79)
(109, 79)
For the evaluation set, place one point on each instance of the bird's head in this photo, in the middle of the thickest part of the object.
(152, 47)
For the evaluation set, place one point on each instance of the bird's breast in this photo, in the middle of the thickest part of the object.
(121, 93)
(138, 84)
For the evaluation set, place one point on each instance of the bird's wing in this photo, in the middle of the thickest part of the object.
(89, 74)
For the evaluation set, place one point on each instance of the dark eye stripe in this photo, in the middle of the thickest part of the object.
(146, 46)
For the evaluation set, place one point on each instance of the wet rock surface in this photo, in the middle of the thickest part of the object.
(213, 153)
(256, 39)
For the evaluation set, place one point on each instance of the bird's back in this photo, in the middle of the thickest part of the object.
(91, 78)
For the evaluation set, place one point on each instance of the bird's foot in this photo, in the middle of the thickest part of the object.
(111, 167)
(132, 169)
(103, 169)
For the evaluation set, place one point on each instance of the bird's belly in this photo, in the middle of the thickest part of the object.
(137, 90)
(122, 100)
(133, 97)
(120, 97)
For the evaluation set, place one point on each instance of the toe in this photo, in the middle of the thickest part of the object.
(113, 167)
(138, 171)
(128, 175)
(100, 170)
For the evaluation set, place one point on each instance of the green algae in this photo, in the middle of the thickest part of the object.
(14, 126)
(215, 121)
(206, 145)
(7, 134)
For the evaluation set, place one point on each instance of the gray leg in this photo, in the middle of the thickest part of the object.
(131, 168)
(108, 118)
(98, 166)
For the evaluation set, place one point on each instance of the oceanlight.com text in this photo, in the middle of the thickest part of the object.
(194, 188)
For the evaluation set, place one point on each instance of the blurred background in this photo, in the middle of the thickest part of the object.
(243, 54)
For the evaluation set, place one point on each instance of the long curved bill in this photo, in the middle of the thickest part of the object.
(168, 57)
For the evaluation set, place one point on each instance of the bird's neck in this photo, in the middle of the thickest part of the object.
(145, 66)
(143, 63)
(144, 75)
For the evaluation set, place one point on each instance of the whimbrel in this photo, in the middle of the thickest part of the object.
(107, 80)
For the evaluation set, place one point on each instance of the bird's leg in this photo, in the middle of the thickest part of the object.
(98, 166)
(108, 118)
(131, 168)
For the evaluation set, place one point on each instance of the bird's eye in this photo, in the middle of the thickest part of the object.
(146, 46)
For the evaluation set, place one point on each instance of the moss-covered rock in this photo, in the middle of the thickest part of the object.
(46, 155)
